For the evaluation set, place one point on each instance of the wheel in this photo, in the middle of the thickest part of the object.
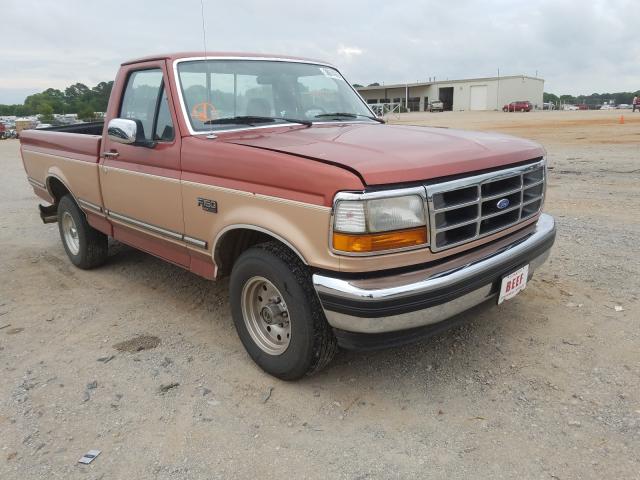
(86, 247)
(277, 314)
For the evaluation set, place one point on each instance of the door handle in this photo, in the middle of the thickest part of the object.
(110, 154)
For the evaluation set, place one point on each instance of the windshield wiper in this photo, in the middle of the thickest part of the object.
(350, 115)
(253, 119)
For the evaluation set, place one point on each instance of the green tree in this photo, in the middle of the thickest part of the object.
(46, 113)
(86, 113)
(100, 96)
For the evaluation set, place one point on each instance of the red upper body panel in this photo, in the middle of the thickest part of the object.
(366, 153)
(384, 154)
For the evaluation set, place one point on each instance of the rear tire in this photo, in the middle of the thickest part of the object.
(277, 314)
(86, 247)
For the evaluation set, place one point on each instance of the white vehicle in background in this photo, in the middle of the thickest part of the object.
(570, 107)
(436, 106)
(548, 106)
(624, 106)
(607, 107)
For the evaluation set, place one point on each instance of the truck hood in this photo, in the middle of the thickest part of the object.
(382, 154)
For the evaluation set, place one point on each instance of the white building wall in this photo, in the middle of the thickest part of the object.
(521, 88)
(499, 91)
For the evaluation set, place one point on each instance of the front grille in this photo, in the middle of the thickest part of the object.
(473, 207)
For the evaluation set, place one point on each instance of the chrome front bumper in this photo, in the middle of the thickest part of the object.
(408, 301)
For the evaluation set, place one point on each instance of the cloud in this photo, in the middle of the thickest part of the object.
(349, 52)
(576, 46)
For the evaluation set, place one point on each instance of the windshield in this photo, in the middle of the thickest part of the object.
(276, 91)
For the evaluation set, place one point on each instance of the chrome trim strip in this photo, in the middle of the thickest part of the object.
(534, 184)
(503, 194)
(194, 241)
(476, 179)
(393, 288)
(36, 183)
(183, 107)
(537, 199)
(89, 205)
(153, 228)
(346, 196)
(499, 212)
(459, 205)
(147, 226)
(458, 225)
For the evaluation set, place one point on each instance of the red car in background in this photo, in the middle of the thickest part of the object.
(525, 106)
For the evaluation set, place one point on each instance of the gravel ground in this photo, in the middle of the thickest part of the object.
(139, 359)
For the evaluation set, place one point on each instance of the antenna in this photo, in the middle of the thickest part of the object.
(206, 63)
(204, 30)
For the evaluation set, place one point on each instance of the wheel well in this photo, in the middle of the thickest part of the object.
(57, 189)
(234, 242)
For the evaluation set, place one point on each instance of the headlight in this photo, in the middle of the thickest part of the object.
(379, 224)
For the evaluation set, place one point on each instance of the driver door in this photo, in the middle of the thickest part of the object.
(141, 182)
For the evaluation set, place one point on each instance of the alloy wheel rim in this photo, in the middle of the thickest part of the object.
(70, 233)
(266, 315)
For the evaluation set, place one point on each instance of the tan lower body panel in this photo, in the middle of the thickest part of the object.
(173, 206)
(151, 199)
(80, 178)
(305, 227)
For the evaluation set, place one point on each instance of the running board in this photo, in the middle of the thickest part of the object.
(48, 214)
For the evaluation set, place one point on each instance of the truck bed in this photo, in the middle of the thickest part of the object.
(80, 142)
(91, 128)
(68, 155)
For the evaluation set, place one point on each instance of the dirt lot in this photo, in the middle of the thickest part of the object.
(546, 386)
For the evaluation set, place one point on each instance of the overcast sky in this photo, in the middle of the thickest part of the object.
(577, 46)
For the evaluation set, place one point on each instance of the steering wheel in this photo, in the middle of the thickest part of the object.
(314, 110)
(204, 112)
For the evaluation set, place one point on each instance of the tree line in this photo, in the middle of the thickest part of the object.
(85, 101)
(77, 98)
(592, 100)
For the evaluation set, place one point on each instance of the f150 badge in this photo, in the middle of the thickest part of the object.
(208, 205)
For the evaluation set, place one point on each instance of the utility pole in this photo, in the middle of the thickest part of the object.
(498, 93)
(406, 96)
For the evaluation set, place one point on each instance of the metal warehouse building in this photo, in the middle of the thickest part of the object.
(471, 94)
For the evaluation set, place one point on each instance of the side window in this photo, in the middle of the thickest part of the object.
(145, 100)
(164, 125)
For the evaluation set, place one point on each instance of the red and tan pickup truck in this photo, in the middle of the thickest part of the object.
(335, 228)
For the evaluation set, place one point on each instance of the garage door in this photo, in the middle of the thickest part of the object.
(478, 97)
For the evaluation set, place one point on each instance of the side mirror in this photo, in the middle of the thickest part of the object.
(123, 130)
(129, 132)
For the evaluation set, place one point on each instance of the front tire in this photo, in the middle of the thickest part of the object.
(277, 314)
(86, 247)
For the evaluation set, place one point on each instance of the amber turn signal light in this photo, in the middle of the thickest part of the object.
(377, 242)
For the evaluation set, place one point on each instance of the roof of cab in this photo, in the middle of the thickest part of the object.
(179, 55)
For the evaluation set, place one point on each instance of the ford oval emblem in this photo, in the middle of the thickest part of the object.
(503, 203)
